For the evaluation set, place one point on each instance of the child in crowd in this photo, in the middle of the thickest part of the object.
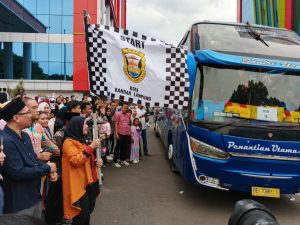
(104, 133)
(110, 140)
(135, 139)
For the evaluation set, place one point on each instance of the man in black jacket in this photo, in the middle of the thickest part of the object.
(22, 171)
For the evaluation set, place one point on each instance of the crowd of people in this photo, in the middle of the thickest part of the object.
(52, 151)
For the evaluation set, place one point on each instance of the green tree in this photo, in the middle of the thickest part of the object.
(255, 93)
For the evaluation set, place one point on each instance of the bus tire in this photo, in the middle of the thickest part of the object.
(156, 130)
(170, 153)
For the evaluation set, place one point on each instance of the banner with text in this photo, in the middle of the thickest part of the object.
(135, 68)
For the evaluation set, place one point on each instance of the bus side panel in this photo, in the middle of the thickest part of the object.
(163, 127)
(178, 137)
(181, 156)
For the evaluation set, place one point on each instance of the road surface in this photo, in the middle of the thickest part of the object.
(150, 194)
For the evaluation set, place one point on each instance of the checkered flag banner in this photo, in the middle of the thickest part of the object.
(132, 67)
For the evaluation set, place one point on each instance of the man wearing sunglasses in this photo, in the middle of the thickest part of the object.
(22, 171)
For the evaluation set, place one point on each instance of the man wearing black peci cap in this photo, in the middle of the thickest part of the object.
(22, 171)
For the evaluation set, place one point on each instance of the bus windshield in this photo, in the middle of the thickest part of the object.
(239, 40)
(226, 95)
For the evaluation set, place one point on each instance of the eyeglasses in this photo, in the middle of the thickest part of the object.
(24, 113)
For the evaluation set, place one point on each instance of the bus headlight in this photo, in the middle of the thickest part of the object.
(204, 149)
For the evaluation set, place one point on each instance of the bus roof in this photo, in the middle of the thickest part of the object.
(246, 40)
(238, 24)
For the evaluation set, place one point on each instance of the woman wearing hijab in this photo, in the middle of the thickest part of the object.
(78, 171)
(44, 120)
(45, 107)
(54, 199)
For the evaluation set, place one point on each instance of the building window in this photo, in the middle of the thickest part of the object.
(52, 61)
(68, 7)
(55, 15)
(56, 7)
(55, 24)
(49, 61)
(43, 7)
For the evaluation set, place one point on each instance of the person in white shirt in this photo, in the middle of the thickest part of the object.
(141, 113)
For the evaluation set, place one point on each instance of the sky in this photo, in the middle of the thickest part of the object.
(168, 20)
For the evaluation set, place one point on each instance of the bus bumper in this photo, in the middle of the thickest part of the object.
(228, 175)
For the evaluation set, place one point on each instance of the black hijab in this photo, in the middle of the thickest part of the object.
(74, 129)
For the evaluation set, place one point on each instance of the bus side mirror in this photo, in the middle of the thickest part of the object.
(192, 69)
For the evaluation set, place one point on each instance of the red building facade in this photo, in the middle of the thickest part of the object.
(113, 13)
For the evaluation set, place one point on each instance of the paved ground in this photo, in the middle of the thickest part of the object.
(149, 194)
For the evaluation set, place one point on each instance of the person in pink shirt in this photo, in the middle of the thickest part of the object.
(123, 136)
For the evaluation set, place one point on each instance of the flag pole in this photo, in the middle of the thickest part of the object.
(96, 135)
(94, 98)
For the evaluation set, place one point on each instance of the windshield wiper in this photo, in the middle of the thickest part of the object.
(283, 38)
(239, 122)
(217, 127)
(212, 126)
(255, 35)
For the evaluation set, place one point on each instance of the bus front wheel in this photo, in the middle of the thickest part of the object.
(170, 158)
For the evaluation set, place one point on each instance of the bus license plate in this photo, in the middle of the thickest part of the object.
(266, 192)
